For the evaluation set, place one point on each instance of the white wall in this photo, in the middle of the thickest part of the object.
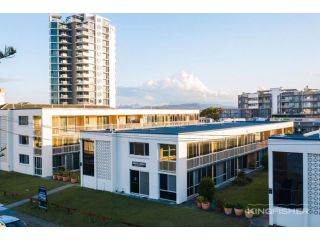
(294, 146)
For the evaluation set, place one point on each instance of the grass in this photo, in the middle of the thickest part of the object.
(123, 211)
(23, 185)
(255, 193)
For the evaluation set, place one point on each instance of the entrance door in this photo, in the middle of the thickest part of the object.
(134, 181)
(38, 166)
(139, 182)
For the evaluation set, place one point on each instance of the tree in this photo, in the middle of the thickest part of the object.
(8, 52)
(212, 112)
(206, 189)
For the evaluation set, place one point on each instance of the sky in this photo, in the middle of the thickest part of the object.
(177, 58)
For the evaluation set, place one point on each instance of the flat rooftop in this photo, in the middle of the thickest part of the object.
(12, 106)
(194, 128)
(313, 136)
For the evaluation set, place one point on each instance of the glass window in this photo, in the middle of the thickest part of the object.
(141, 149)
(54, 53)
(167, 186)
(54, 39)
(288, 180)
(23, 120)
(23, 140)
(54, 80)
(54, 25)
(54, 46)
(88, 157)
(193, 150)
(54, 74)
(24, 159)
(54, 88)
(167, 152)
(54, 67)
(54, 32)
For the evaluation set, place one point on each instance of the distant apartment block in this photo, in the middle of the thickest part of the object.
(82, 60)
(2, 96)
(42, 138)
(280, 102)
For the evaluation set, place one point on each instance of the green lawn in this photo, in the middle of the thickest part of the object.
(23, 185)
(123, 211)
(255, 193)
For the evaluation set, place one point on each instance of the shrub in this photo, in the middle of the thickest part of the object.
(227, 205)
(206, 189)
(200, 199)
(264, 161)
(242, 179)
(239, 206)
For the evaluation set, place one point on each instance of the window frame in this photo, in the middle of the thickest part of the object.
(26, 159)
(24, 137)
(25, 122)
(132, 149)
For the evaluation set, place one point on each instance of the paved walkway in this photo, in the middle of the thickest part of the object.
(24, 201)
(30, 220)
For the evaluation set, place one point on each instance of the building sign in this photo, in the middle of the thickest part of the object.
(42, 198)
(138, 164)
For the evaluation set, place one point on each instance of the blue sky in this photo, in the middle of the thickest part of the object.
(218, 55)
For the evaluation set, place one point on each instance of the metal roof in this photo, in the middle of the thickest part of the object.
(194, 128)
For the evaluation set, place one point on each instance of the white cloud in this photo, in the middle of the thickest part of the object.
(176, 89)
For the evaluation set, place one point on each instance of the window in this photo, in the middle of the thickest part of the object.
(168, 187)
(288, 180)
(23, 120)
(88, 157)
(141, 149)
(24, 140)
(24, 159)
(167, 152)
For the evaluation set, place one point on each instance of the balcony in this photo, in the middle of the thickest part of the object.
(66, 149)
(212, 157)
(37, 151)
(84, 75)
(64, 76)
(64, 62)
(83, 82)
(64, 96)
(64, 56)
(65, 83)
(65, 90)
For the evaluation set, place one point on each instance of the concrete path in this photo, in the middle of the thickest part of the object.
(30, 220)
(24, 201)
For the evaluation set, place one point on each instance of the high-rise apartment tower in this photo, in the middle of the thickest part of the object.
(82, 60)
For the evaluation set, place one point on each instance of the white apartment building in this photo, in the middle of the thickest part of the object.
(42, 138)
(169, 162)
(2, 96)
(82, 60)
(294, 180)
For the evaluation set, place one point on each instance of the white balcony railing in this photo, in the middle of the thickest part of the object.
(237, 151)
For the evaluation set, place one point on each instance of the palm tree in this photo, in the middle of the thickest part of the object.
(8, 52)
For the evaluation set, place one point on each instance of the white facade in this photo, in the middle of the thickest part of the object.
(309, 215)
(12, 130)
(2, 96)
(113, 162)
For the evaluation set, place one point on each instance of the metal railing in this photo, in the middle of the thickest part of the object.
(37, 151)
(66, 149)
(212, 157)
(167, 166)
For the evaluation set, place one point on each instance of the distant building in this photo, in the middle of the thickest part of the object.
(169, 162)
(280, 102)
(2, 96)
(294, 180)
(82, 60)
